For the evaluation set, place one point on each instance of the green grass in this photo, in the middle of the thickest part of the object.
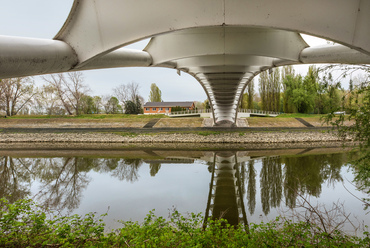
(207, 133)
(126, 134)
(298, 115)
(24, 224)
(88, 116)
(109, 116)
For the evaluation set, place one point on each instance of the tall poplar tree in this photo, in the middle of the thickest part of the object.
(155, 94)
(269, 88)
(250, 91)
(274, 90)
(263, 83)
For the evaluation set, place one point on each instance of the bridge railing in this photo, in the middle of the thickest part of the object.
(194, 111)
(199, 111)
(256, 111)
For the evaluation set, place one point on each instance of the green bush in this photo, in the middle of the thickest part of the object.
(25, 224)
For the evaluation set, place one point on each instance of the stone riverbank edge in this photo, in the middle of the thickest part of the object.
(217, 138)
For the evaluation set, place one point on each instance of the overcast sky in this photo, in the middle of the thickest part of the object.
(43, 19)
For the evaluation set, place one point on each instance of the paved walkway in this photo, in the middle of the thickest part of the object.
(151, 123)
(304, 122)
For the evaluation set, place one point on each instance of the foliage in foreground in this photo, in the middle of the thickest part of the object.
(24, 224)
(358, 111)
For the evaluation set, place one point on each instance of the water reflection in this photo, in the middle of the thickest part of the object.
(306, 175)
(15, 177)
(225, 198)
(233, 178)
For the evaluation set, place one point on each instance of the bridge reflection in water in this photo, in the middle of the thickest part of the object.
(238, 179)
(226, 193)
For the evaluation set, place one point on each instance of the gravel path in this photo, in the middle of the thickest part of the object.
(233, 137)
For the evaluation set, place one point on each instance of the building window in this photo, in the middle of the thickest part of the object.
(161, 109)
(147, 109)
(167, 109)
(154, 109)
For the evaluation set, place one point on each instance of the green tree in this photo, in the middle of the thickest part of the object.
(288, 82)
(301, 100)
(97, 101)
(291, 83)
(299, 94)
(139, 108)
(310, 85)
(133, 108)
(263, 84)
(155, 94)
(269, 88)
(130, 107)
(330, 96)
(112, 106)
(274, 90)
(250, 92)
(177, 108)
(206, 104)
(86, 104)
(243, 101)
(359, 113)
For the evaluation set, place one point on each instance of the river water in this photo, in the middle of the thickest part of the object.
(240, 185)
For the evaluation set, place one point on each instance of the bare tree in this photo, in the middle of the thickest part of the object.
(46, 100)
(16, 93)
(105, 103)
(133, 91)
(121, 92)
(76, 89)
(70, 89)
(127, 92)
(56, 81)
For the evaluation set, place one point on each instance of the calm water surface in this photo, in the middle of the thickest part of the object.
(241, 186)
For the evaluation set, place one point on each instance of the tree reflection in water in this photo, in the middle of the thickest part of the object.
(305, 175)
(251, 189)
(15, 177)
(233, 183)
(271, 183)
(62, 181)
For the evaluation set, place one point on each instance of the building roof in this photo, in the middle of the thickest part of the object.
(168, 104)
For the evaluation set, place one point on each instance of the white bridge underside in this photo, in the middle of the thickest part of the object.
(222, 43)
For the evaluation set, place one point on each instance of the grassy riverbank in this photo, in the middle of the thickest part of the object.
(24, 224)
(137, 129)
(87, 116)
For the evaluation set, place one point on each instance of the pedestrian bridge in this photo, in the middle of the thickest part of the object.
(242, 113)
(224, 44)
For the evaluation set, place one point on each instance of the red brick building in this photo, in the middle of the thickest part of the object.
(151, 108)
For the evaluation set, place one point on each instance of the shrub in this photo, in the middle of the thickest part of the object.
(25, 224)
